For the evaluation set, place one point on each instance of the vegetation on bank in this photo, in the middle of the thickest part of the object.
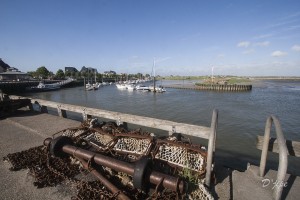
(183, 77)
(43, 73)
(210, 80)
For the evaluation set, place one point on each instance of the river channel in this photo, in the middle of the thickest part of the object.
(242, 115)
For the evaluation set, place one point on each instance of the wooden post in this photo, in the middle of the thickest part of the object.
(85, 116)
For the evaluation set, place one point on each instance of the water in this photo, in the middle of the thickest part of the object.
(242, 115)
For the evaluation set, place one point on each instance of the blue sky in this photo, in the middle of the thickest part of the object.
(255, 38)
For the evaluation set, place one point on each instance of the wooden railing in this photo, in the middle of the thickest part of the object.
(208, 133)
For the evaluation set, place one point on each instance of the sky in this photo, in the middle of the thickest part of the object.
(192, 37)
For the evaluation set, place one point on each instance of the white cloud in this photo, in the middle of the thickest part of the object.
(221, 55)
(249, 51)
(278, 54)
(296, 47)
(162, 59)
(243, 44)
(263, 36)
(262, 44)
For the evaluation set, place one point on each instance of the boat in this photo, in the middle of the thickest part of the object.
(154, 88)
(45, 87)
(159, 89)
(97, 85)
(121, 86)
(90, 87)
(142, 88)
(130, 87)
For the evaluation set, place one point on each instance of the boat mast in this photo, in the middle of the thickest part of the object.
(154, 90)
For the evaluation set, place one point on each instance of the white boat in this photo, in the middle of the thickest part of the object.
(90, 87)
(157, 89)
(130, 87)
(97, 85)
(160, 89)
(46, 87)
(142, 88)
(121, 86)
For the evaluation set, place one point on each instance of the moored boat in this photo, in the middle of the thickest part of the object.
(121, 86)
(142, 88)
(45, 87)
(159, 89)
(130, 87)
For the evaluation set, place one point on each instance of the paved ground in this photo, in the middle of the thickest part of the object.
(20, 133)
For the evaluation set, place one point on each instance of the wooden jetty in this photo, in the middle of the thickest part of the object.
(229, 184)
(213, 87)
(12, 87)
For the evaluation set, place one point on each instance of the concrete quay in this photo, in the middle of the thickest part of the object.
(21, 132)
(28, 129)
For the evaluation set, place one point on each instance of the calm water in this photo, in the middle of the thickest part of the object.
(242, 116)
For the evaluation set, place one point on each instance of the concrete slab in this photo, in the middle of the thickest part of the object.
(21, 133)
(249, 185)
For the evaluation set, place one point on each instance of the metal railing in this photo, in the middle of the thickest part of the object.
(211, 146)
(283, 154)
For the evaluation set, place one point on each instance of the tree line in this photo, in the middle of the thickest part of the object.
(43, 73)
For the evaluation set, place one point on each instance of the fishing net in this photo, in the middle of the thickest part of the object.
(133, 144)
(71, 132)
(100, 139)
(181, 155)
(200, 192)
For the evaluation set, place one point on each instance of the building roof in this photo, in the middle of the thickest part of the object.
(13, 73)
(4, 65)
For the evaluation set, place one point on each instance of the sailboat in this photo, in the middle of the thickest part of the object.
(153, 87)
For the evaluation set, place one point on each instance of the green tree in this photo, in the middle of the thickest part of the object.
(33, 74)
(84, 74)
(78, 75)
(42, 72)
(60, 74)
(73, 74)
(99, 76)
(68, 74)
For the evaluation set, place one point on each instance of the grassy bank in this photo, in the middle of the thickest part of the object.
(183, 77)
(209, 80)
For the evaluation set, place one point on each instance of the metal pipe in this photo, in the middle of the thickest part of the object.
(155, 177)
(211, 146)
(283, 159)
(104, 181)
(103, 160)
